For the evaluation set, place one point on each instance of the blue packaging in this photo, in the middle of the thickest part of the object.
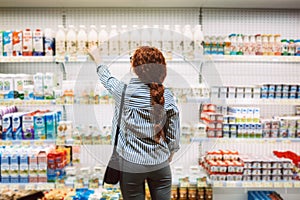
(7, 126)
(7, 43)
(50, 125)
(17, 130)
(39, 127)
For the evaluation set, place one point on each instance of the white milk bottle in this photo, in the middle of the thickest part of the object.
(167, 43)
(198, 38)
(135, 38)
(113, 41)
(103, 40)
(146, 36)
(27, 42)
(124, 40)
(81, 41)
(71, 42)
(156, 37)
(49, 42)
(60, 42)
(177, 40)
(38, 44)
(92, 37)
(188, 43)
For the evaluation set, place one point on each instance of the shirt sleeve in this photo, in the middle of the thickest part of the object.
(112, 84)
(172, 127)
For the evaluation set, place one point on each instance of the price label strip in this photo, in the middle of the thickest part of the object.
(230, 184)
(218, 184)
(278, 185)
(29, 187)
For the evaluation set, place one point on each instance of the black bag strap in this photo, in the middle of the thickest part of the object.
(120, 116)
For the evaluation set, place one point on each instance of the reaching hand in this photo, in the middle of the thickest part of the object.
(94, 53)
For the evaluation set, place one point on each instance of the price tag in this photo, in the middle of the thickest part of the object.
(230, 184)
(60, 142)
(257, 184)
(1, 143)
(25, 143)
(39, 143)
(278, 185)
(41, 187)
(29, 187)
(7, 143)
(297, 184)
(246, 184)
(287, 184)
(49, 186)
(218, 184)
(77, 142)
(14, 187)
(78, 185)
(60, 186)
(267, 184)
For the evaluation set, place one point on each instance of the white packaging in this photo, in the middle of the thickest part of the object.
(7, 43)
(92, 36)
(38, 91)
(38, 44)
(48, 85)
(103, 40)
(27, 42)
(188, 44)
(60, 41)
(124, 40)
(156, 37)
(135, 38)
(82, 39)
(17, 41)
(113, 41)
(146, 36)
(8, 86)
(49, 42)
(198, 39)
(71, 41)
(177, 40)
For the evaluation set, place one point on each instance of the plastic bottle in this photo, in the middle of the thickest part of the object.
(252, 45)
(49, 42)
(220, 45)
(227, 46)
(277, 45)
(124, 40)
(246, 45)
(60, 42)
(291, 48)
(284, 47)
(177, 40)
(156, 37)
(135, 38)
(265, 44)
(71, 42)
(207, 45)
(146, 36)
(167, 42)
(103, 40)
(258, 45)
(92, 36)
(27, 42)
(233, 41)
(82, 39)
(240, 44)
(188, 43)
(297, 47)
(38, 44)
(113, 41)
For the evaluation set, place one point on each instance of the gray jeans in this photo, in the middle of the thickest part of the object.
(159, 182)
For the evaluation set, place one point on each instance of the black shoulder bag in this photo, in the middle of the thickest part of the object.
(112, 173)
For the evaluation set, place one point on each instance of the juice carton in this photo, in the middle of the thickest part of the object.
(38, 80)
(39, 126)
(24, 173)
(27, 42)
(17, 39)
(7, 126)
(1, 43)
(42, 167)
(33, 173)
(48, 85)
(17, 130)
(8, 87)
(7, 43)
(28, 126)
(38, 44)
(50, 125)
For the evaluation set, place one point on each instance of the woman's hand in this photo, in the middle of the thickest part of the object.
(94, 53)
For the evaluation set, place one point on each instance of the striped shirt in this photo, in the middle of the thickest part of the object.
(136, 138)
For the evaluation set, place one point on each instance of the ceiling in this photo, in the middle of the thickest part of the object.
(281, 4)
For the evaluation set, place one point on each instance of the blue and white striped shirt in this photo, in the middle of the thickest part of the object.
(136, 138)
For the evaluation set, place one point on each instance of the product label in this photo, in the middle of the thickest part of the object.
(39, 127)
(17, 43)
(27, 42)
(38, 42)
(7, 43)
(49, 46)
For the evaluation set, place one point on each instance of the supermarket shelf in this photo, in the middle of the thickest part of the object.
(27, 59)
(248, 140)
(18, 102)
(241, 58)
(257, 101)
(256, 184)
(26, 142)
(27, 186)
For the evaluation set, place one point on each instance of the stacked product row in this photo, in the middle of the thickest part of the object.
(231, 166)
(259, 44)
(267, 195)
(264, 91)
(112, 40)
(245, 122)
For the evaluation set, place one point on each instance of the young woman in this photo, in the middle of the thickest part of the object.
(150, 128)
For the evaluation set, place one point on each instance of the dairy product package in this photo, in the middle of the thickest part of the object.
(7, 126)
(27, 42)
(49, 42)
(7, 43)
(60, 42)
(38, 44)
(48, 85)
(1, 43)
(17, 130)
(17, 42)
(39, 126)
(38, 80)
